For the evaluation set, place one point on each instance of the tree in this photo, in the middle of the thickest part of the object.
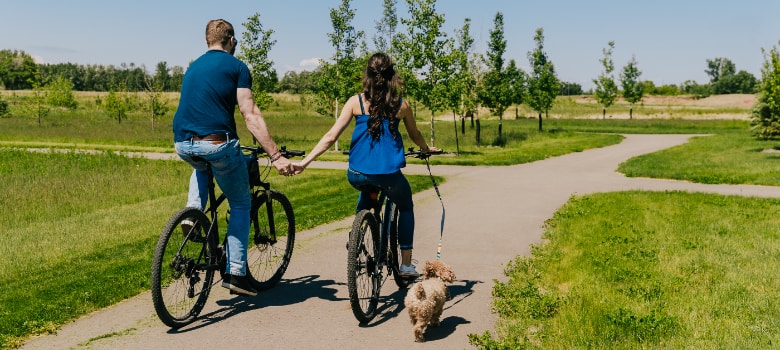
(570, 89)
(543, 84)
(460, 91)
(156, 102)
(118, 103)
(718, 68)
(691, 87)
(162, 76)
(497, 92)
(17, 70)
(633, 90)
(425, 56)
(765, 118)
(385, 28)
(606, 89)
(336, 81)
(36, 105)
(60, 93)
(517, 87)
(255, 45)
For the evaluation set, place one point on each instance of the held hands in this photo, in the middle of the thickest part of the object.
(298, 168)
(284, 166)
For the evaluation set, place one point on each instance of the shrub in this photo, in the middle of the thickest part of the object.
(765, 118)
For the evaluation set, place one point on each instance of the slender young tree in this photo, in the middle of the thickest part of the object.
(517, 87)
(424, 55)
(117, 103)
(633, 89)
(36, 105)
(341, 78)
(543, 84)
(496, 92)
(386, 27)
(606, 89)
(255, 45)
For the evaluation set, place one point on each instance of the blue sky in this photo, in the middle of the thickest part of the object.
(671, 39)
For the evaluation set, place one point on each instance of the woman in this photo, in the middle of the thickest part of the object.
(377, 151)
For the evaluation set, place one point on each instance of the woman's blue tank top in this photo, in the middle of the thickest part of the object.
(370, 156)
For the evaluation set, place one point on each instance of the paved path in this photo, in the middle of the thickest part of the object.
(493, 214)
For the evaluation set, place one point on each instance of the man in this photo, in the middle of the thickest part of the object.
(204, 128)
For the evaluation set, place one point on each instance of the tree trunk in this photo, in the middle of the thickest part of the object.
(631, 112)
(455, 124)
(540, 121)
(603, 113)
(433, 132)
(477, 133)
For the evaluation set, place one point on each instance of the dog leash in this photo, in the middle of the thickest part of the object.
(441, 227)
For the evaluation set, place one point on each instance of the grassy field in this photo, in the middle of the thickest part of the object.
(83, 216)
(646, 270)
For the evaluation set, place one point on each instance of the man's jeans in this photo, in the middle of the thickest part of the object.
(229, 168)
(397, 188)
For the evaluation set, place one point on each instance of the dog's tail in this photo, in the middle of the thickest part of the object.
(420, 292)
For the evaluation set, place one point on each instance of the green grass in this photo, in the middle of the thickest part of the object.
(80, 233)
(646, 270)
(615, 274)
(729, 158)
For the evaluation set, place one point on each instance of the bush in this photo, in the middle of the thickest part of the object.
(765, 119)
(3, 107)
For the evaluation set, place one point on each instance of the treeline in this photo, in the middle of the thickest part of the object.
(18, 71)
(442, 71)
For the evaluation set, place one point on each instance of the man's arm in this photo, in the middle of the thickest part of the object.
(259, 129)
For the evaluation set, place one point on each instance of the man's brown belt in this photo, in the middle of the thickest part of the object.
(214, 138)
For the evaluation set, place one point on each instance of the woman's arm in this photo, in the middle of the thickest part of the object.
(332, 135)
(405, 113)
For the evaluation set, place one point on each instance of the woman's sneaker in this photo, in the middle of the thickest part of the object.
(408, 271)
(239, 285)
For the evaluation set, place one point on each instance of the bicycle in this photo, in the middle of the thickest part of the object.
(368, 255)
(187, 253)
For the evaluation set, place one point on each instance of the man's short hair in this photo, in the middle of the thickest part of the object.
(218, 31)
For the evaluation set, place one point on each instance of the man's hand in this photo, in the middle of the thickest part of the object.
(284, 166)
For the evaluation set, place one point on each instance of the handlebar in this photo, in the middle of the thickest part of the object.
(420, 154)
(287, 153)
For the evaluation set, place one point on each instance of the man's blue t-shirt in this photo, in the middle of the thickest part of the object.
(208, 96)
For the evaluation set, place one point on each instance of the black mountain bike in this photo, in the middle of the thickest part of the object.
(188, 252)
(373, 253)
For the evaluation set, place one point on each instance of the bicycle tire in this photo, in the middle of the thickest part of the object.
(363, 275)
(183, 268)
(394, 251)
(270, 248)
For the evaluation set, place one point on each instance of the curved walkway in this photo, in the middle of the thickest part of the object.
(493, 214)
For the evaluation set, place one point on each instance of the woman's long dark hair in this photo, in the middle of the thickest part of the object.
(381, 88)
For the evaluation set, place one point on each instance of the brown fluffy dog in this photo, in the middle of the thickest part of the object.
(425, 299)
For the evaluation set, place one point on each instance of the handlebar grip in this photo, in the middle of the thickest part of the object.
(294, 153)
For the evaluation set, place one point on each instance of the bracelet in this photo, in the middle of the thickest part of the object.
(274, 157)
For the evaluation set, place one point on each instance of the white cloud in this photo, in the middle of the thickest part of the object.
(309, 63)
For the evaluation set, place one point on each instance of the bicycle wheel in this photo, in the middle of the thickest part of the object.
(394, 250)
(363, 274)
(183, 267)
(271, 240)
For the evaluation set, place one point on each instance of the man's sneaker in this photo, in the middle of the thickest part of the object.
(408, 271)
(187, 226)
(238, 285)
